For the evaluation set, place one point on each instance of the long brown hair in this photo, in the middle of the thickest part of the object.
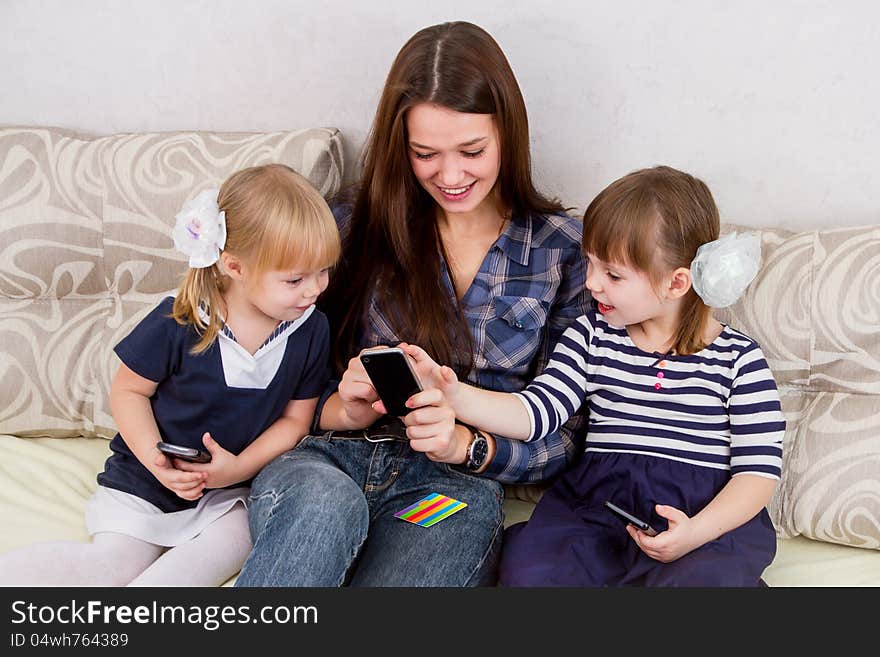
(654, 220)
(275, 220)
(393, 245)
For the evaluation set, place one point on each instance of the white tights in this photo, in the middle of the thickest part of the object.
(111, 559)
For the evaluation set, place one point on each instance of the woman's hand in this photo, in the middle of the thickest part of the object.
(432, 430)
(187, 485)
(357, 394)
(671, 544)
(222, 470)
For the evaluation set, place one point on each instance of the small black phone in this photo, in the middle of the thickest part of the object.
(631, 519)
(190, 454)
(392, 376)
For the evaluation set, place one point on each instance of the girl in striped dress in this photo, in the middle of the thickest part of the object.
(685, 427)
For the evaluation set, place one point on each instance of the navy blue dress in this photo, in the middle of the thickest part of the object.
(235, 397)
(572, 539)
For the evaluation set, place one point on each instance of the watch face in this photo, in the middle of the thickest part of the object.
(479, 451)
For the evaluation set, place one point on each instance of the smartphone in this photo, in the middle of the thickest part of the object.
(392, 376)
(632, 520)
(184, 453)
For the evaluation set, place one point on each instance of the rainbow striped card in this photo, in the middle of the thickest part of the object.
(430, 510)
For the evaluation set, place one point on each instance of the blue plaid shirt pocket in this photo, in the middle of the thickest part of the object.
(514, 335)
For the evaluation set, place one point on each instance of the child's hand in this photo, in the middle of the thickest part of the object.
(671, 544)
(427, 369)
(188, 485)
(220, 472)
(431, 374)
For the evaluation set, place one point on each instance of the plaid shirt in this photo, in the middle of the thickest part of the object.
(529, 288)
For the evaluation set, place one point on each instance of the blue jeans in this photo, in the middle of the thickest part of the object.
(323, 515)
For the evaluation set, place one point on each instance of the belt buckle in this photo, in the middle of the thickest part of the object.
(380, 438)
(339, 434)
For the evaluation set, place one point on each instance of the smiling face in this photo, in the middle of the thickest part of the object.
(624, 295)
(455, 156)
(285, 295)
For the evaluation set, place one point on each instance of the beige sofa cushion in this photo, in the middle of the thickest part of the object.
(815, 310)
(85, 252)
(830, 488)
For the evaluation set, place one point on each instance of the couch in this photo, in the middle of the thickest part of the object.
(85, 252)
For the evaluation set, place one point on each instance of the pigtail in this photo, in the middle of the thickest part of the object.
(200, 289)
(694, 317)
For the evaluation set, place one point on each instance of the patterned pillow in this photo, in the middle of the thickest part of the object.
(86, 251)
(815, 309)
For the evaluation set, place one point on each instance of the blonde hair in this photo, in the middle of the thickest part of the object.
(275, 220)
(654, 220)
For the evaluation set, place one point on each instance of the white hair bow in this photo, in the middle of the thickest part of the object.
(722, 269)
(200, 229)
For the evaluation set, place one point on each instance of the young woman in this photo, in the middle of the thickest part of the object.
(448, 245)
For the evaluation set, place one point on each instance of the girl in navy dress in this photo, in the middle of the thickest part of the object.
(685, 426)
(233, 365)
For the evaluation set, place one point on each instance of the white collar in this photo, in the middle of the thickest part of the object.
(241, 369)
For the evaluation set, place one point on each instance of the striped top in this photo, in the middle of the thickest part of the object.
(718, 408)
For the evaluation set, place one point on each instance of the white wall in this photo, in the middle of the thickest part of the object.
(774, 104)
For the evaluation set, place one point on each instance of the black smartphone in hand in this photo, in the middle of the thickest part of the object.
(392, 376)
(631, 519)
(184, 453)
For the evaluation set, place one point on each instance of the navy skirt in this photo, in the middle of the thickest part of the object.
(572, 539)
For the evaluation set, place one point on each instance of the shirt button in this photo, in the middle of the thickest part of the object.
(662, 363)
(518, 324)
(657, 386)
(660, 375)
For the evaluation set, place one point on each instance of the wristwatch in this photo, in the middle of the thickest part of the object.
(477, 450)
